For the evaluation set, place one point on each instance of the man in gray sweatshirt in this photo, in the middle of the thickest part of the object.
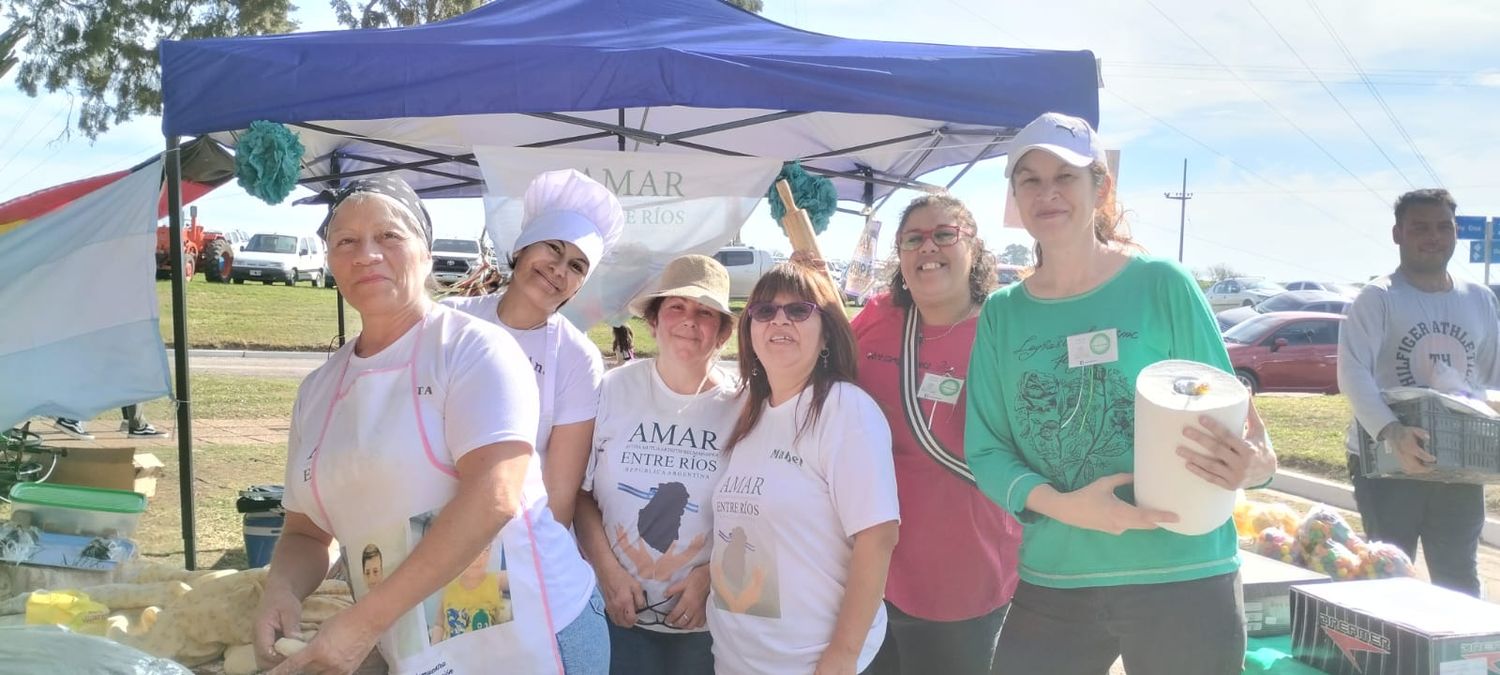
(1397, 331)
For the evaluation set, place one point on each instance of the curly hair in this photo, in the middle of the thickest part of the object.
(982, 261)
(1429, 196)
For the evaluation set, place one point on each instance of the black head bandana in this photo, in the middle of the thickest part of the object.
(389, 185)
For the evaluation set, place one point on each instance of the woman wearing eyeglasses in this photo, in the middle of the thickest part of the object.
(806, 514)
(644, 518)
(954, 571)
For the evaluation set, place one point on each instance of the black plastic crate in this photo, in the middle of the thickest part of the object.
(1467, 446)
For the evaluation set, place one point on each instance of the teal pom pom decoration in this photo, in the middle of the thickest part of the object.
(814, 194)
(268, 161)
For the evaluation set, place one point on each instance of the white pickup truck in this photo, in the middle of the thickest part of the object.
(454, 259)
(745, 264)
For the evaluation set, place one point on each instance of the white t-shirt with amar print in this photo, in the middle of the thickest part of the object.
(785, 515)
(657, 457)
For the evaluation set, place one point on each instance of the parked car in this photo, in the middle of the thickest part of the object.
(1346, 290)
(288, 258)
(1241, 292)
(746, 264)
(1006, 275)
(1290, 301)
(1287, 351)
(453, 259)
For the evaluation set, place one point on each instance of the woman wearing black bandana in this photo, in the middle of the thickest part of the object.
(416, 438)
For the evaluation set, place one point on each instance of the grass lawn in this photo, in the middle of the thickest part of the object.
(303, 318)
(256, 316)
(219, 473)
(1308, 431)
(226, 397)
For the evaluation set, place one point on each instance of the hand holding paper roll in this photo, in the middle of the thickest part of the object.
(1095, 507)
(1192, 422)
(1234, 459)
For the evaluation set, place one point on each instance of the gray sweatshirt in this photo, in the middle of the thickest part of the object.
(1394, 334)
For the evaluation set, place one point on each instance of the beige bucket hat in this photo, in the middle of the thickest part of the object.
(695, 277)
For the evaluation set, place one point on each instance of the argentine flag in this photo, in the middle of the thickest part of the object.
(79, 327)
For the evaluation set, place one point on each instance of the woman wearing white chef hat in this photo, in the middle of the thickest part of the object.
(570, 222)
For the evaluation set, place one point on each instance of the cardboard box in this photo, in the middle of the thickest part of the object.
(1268, 592)
(1393, 627)
(112, 468)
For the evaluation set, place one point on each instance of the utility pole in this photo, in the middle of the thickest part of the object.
(1182, 197)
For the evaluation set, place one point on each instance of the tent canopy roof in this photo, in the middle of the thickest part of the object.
(680, 73)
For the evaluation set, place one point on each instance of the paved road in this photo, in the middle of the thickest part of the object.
(288, 364)
(255, 364)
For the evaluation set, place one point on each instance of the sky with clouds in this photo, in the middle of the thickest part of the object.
(1293, 158)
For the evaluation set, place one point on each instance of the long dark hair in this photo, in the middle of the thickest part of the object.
(982, 265)
(807, 284)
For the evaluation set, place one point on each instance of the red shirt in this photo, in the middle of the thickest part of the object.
(957, 555)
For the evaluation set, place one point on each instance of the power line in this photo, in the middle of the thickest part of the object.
(1245, 169)
(1206, 77)
(1414, 76)
(1400, 129)
(1232, 161)
(1324, 191)
(22, 122)
(1236, 249)
(1378, 197)
(27, 144)
(1328, 91)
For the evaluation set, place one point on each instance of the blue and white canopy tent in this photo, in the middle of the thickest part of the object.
(669, 76)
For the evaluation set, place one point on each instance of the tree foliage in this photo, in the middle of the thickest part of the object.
(8, 40)
(1220, 271)
(397, 13)
(1016, 254)
(104, 52)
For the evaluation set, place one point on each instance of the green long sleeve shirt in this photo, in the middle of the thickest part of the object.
(1036, 417)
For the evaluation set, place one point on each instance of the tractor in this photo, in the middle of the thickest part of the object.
(212, 252)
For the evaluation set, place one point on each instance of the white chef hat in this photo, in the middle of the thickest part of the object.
(569, 206)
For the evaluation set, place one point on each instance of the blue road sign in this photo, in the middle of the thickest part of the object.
(1476, 252)
(1472, 227)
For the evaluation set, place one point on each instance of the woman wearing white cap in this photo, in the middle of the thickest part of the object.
(569, 224)
(644, 520)
(415, 440)
(1050, 435)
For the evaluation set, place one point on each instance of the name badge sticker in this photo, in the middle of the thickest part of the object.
(1087, 349)
(940, 388)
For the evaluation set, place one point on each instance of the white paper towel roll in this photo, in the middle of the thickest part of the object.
(1171, 395)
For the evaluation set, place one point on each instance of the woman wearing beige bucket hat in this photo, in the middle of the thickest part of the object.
(643, 518)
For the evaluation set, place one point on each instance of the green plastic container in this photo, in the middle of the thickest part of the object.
(71, 509)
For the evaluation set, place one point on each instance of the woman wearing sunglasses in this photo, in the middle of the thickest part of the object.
(644, 519)
(954, 571)
(1051, 429)
(806, 514)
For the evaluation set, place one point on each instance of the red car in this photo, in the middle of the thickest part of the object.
(1287, 351)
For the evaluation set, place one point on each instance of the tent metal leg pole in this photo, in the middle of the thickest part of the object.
(180, 341)
(338, 293)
